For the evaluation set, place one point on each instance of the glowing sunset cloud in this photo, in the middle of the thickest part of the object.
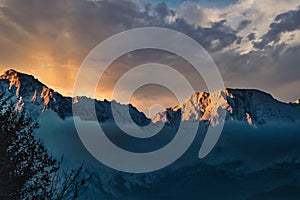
(254, 45)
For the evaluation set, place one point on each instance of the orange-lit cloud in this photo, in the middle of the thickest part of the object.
(50, 39)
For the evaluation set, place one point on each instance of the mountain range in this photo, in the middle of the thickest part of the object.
(259, 142)
(251, 106)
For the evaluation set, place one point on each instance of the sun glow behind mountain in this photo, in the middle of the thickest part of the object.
(255, 45)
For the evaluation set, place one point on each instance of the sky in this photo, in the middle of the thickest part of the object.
(206, 3)
(254, 43)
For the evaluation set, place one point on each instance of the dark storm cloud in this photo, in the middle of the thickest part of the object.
(214, 38)
(73, 27)
(243, 24)
(239, 40)
(285, 22)
(162, 10)
(251, 36)
(274, 69)
(65, 29)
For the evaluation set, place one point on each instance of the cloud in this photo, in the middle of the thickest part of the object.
(196, 14)
(257, 147)
(272, 69)
(146, 96)
(251, 36)
(254, 148)
(243, 24)
(50, 39)
(285, 22)
(59, 34)
(214, 38)
(247, 16)
(61, 139)
(267, 144)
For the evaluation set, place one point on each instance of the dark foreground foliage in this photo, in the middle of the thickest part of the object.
(27, 171)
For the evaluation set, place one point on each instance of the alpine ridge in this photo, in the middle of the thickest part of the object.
(247, 105)
(251, 106)
(34, 97)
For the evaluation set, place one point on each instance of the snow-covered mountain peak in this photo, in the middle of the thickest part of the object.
(13, 78)
(21, 83)
(247, 105)
(16, 77)
(252, 106)
(34, 97)
(200, 106)
(30, 94)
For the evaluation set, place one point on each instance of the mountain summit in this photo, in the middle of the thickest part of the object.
(247, 105)
(34, 97)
